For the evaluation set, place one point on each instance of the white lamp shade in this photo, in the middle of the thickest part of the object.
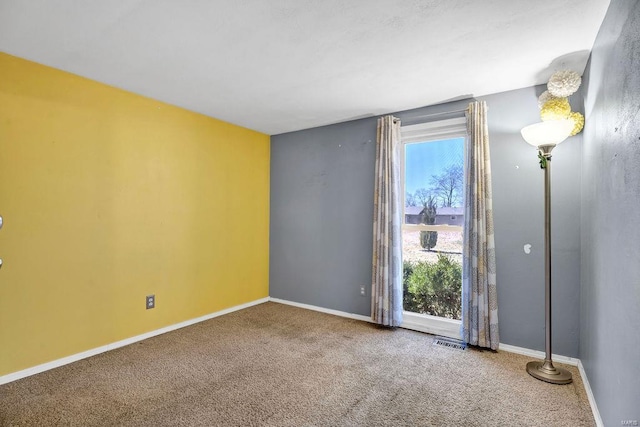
(551, 132)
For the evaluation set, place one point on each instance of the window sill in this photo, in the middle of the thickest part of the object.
(431, 324)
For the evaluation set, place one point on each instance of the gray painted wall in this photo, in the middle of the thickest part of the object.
(321, 215)
(610, 303)
(518, 209)
(322, 207)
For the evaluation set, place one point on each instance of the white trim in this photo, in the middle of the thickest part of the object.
(407, 324)
(562, 359)
(590, 396)
(414, 321)
(452, 330)
(83, 355)
(322, 309)
(538, 354)
(431, 324)
(428, 227)
(436, 130)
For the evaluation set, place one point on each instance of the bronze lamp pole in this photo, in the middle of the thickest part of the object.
(545, 136)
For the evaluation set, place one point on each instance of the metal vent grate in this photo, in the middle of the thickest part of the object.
(449, 343)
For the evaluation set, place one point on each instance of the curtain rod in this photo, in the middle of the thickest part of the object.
(442, 113)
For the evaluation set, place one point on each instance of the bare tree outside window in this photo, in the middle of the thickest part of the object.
(448, 185)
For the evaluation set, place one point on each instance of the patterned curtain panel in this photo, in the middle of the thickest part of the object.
(386, 294)
(479, 293)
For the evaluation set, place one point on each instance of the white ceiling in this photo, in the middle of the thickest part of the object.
(283, 65)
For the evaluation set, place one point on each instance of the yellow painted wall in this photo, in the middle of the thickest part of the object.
(107, 197)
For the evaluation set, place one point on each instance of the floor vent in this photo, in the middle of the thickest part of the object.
(449, 343)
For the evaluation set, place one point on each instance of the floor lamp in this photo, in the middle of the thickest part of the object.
(545, 136)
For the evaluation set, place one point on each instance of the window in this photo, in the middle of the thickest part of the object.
(432, 171)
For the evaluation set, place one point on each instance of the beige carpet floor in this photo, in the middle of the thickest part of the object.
(276, 365)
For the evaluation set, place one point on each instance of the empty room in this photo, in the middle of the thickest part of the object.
(319, 213)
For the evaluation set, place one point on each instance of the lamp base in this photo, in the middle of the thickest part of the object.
(545, 371)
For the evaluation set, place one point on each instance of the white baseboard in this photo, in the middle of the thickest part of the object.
(590, 396)
(322, 309)
(539, 354)
(504, 347)
(79, 356)
(567, 360)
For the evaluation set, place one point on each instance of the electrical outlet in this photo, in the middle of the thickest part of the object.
(151, 301)
(363, 291)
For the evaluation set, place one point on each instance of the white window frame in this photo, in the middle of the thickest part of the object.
(420, 133)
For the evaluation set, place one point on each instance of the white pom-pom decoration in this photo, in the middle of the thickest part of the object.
(564, 83)
(542, 99)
